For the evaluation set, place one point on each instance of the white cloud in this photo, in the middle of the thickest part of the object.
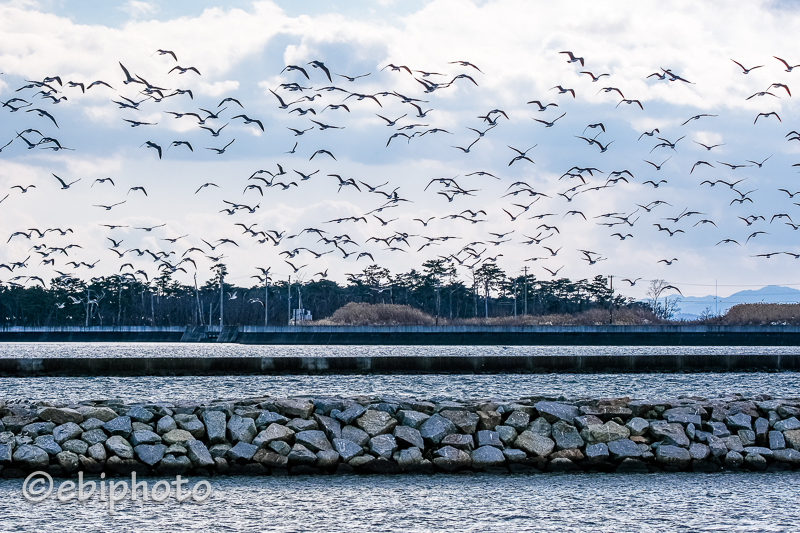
(138, 8)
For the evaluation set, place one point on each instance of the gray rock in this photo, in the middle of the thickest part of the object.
(275, 460)
(68, 461)
(144, 437)
(178, 449)
(408, 437)
(518, 420)
(347, 449)
(119, 426)
(673, 456)
(694, 410)
(671, 434)
(436, 428)
(139, 426)
(97, 452)
(514, 456)
(632, 466)
(738, 421)
(191, 424)
(140, 414)
(755, 461)
(266, 418)
(776, 440)
(507, 434)
(488, 438)
(561, 464)
(150, 454)
(361, 461)
(488, 420)
(47, 443)
(328, 459)
(242, 451)
(78, 447)
(242, 429)
(597, 451)
(94, 436)
(610, 431)
(219, 450)
(101, 413)
(788, 424)
(167, 424)
(60, 416)
(376, 423)
(747, 436)
(540, 426)
(20, 440)
(15, 424)
(314, 440)
(787, 411)
(66, 432)
(637, 426)
(457, 440)
(409, 457)
(734, 459)
(331, 427)
(412, 419)
(324, 406)
(699, 452)
(349, 415)
(300, 455)
(31, 457)
(465, 421)
(295, 408)
(38, 428)
(356, 435)
(792, 438)
(176, 436)
(773, 418)
(274, 432)
(557, 411)
(718, 429)
(174, 466)
(6, 453)
(684, 419)
(733, 443)
(760, 450)
(588, 420)
(761, 426)
(486, 456)
(383, 446)
(119, 447)
(301, 424)
(622, 448)
(566, 436)
(198, 454)
(91, 423)
(787, 455)
(451, 459)
(718, 448)
(534, 444)
(280, 447)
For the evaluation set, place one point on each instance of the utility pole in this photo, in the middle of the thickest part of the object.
(515, 298)
(221, 298)
(716, 299)
(525, 309)
(266, 297)
(289, 298)
(200, 321)
(299, 303)
(437, 287)
(611, 306)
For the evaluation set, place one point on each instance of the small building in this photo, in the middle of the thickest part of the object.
(300, 315)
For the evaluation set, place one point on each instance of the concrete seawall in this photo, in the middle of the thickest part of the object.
(143, 366)
(656, 335)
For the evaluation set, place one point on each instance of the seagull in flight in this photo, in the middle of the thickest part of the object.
(65, 185)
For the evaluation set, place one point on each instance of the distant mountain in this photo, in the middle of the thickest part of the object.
(693, 306)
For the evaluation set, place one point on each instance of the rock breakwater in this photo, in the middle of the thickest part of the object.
(389, 435)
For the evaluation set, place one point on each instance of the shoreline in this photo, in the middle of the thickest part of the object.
(392, 435)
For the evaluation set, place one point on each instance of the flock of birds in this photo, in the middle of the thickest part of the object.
(536, 226)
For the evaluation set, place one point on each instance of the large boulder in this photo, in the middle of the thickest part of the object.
(314, 440)
(166, 424)
(459, 440)
(242, 429)
(68, 461)
(144, 436)
(534, 444)
(787, 424)
(376, 423)
(191, 424)
(140, 414)
(487, 456)
(331, 427)
(119, 426)
(199, 454)
(119, 447)
(671, 434)
(383, 446)
(176, 436)
(787, 455)
(465, 421)
(47, 443)
(349, 415)
(272, 433)
(60, 416)
(150, 454)
(518, 420)
(67, 431)
(38, 428)
(409, 457)
(566, 436)
(356, 435)
(451, 459)
(555, 411)
(295, 408)
(347, 449)
(673, 456)
(101, 413)
(408, 437)
(412, 419)
(487, 437)
(242, 452)
(792, 438)
(623, 448)
(738, 421)
(637, 426)
(608, 432)
(31, 457)
(436, 428)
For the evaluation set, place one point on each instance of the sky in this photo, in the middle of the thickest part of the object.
(240, 50)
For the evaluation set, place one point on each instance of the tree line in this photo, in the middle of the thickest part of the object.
(129, 300)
